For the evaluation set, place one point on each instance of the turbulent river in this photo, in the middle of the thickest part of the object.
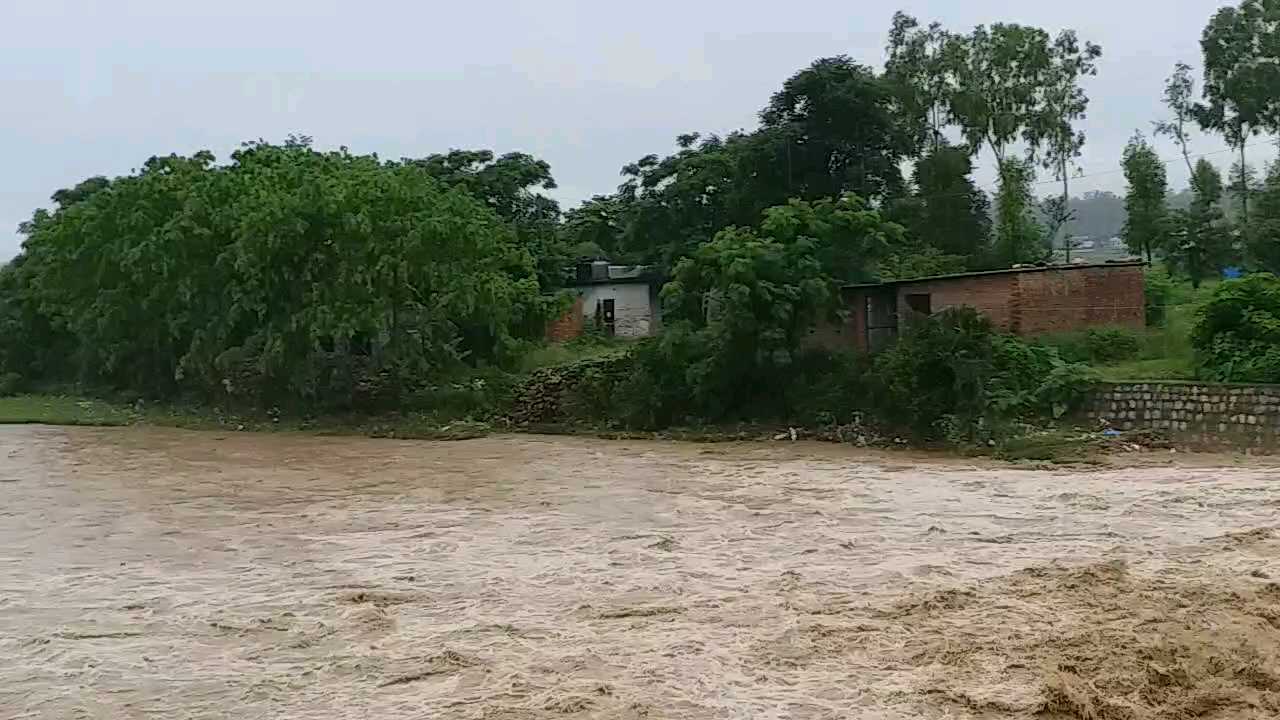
(173, 574)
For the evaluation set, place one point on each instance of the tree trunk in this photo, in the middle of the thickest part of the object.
(1066, 212)
(1186, 153)
(1244, 188)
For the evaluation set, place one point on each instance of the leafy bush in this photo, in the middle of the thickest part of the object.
(1106, 345)
(825, 388)
(1237, 332)
(1096, 345)
(954, 377)
(9, 383)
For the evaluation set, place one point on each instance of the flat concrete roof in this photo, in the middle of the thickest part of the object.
(1007, 271)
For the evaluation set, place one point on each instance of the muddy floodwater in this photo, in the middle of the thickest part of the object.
(169, 574)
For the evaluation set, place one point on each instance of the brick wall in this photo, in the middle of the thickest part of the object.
(568, 326)
(1035, 302)
(989, 294)
(1197, 414)
(1071, 299)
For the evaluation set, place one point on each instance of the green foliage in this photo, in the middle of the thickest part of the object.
(953, 377)
(1095, 346)
(1200, 239)
(845, 235)
(10, 383)
(737, 314)
(842, 134)
(1158, 289)
(1145, 230)
(921, 70)
(588, 346)
(471, 396)
(1000, 73)
(832, 129)
(513, 186)
(1052, 126)
(288, 275)
(749, 300)
(909, 263)
(826, 389)
(1240, 70)
(1167, 368)
(61, 410)
(1264, 239)
(1019, 238)
(1237, 334)
(946, 214)
(1180, 98)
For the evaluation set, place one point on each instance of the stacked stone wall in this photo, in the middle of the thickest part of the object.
(1203, 414)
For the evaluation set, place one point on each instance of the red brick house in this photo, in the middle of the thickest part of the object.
(1024, 301)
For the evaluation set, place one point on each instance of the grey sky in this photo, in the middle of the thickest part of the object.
(97, 86)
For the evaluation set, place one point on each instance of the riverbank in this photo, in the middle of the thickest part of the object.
(1063, 446)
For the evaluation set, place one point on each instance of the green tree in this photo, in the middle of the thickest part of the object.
(1242, 77)
(1179, 97)
(1062, 103)
(1242, 179)
(1000, 76)
(1019, 238)
(1264, 242)
(834, 127)
(841, 131)
(846, 236)
(1000, 73)
(1145, 229)
(594, 229)
(1237, 332)
(921, 68)
(1200, 242)
(513, 186)
(82, 191)
(946, 211)
(287, 275)
(746, 301)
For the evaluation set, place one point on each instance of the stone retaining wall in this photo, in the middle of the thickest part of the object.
(1204, 414)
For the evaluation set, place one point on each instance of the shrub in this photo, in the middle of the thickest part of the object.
(954, 377)
(825, 388)
(1095, 345)
(1112, 344)
(9, 383)
(1237, 331)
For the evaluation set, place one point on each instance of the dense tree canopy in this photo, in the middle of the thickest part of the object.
(1145, 228)
(288, 274)
(946, 212)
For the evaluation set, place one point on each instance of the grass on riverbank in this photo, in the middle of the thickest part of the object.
(63, 410)
(1163, 352)
(81, 411)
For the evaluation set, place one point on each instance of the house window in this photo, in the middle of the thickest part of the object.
(920, 304)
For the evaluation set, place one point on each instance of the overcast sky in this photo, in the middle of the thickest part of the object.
(95, 87)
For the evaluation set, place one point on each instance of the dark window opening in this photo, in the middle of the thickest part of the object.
(605, 317)
(920, 304)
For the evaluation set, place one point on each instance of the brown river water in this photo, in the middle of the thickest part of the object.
(171, 574)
